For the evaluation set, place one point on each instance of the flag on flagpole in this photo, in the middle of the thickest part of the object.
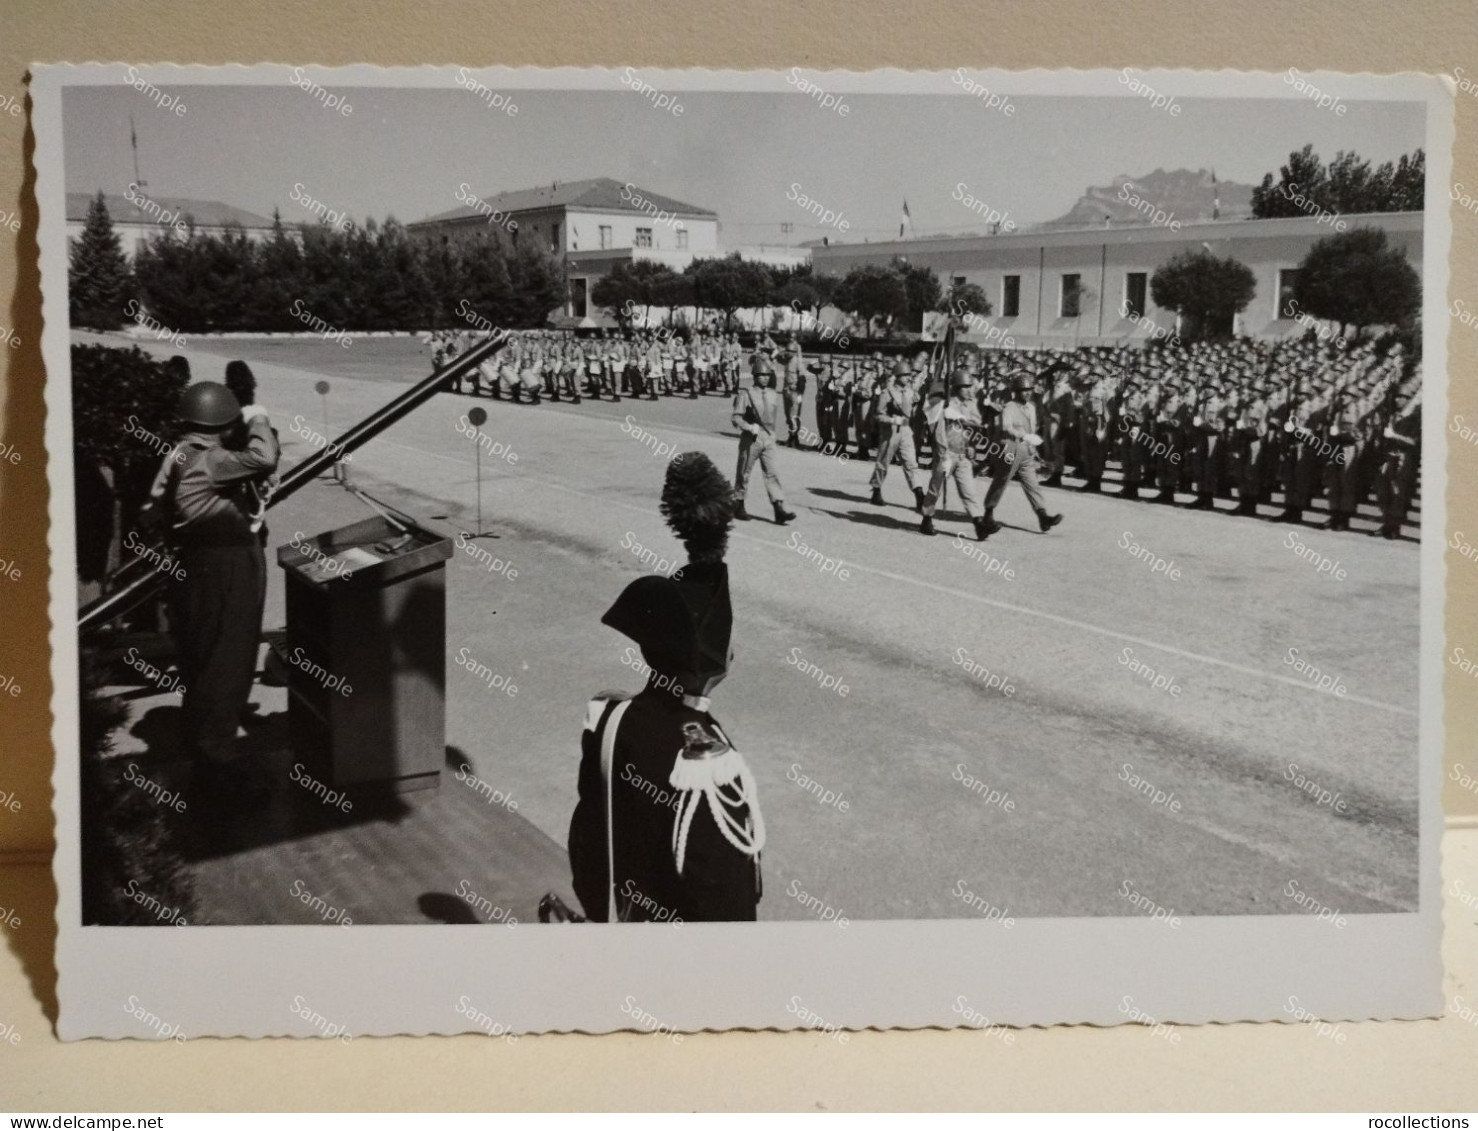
(1215, 198)
(575, 237)
(905, 220)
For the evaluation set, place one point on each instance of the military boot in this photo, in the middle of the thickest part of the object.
(740, 513)
(782, 516)
(927, 526)
(1047, 521)
(877, 498)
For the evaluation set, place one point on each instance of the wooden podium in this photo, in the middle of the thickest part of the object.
(365, 653)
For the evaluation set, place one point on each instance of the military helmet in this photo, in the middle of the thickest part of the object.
(900, 368)
(960, 378)
(1023, 382)
(208, 405)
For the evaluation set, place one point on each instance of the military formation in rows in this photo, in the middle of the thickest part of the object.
(1239, 420)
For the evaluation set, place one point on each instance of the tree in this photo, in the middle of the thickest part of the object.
(99, 282)
(965, 299)
(1206, 290)
(729, 284)
(799, 297)
(279, 271)
(1348, 185)
(1304, 175)
(121, 400)
(1355, 278)
(872, 292)
(628, 286)
(674, 291)
(922, 288)
(538, 285)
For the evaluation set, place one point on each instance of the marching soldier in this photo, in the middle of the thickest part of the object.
(757, 413)
(1020, 439)
(895, 436)
(793, 390)
(951, 423)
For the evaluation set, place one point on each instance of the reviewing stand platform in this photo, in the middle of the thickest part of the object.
(365, 653)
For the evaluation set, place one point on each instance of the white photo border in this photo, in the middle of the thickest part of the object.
(384, 980)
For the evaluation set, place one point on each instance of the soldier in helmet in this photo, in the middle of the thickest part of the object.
(206, 495)
(668, 826)
(951, 423)
(757, 415)
(895, 435)
(1019, 440)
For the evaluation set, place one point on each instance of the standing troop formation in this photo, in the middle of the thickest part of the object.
(556, 364)
(1241, 420)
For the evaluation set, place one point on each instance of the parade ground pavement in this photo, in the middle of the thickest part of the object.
(998, 743)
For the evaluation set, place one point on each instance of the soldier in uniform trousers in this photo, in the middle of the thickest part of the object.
(895, 436)
(209, 501)
(1401, 465)
(841, 408)
(865, 394)
(757, 413)
(1093, 433)
(825, 400)
(501, 370)
(1018, 460)
(668, 826)
(1209, 431)
(531, 373)
(950, 423)
(1342, 466)
(1166, 432)
(1132, 421)
(793, 390)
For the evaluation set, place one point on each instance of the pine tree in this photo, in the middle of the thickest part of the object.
(99, 281)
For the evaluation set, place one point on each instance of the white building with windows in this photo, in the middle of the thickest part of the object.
(593, 226)
(1090, 286)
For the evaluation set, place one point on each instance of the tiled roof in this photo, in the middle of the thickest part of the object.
(206, 213)
(599, 193)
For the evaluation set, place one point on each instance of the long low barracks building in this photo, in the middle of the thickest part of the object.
(1090, 286)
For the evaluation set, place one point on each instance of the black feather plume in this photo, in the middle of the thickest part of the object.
(698, 504)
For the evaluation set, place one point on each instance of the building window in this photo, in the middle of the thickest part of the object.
(1072, 288)
(682, 239)
(1135, 283)
(1286, 280)
(580, 298)
(605, 236)
(643, 237)
(959, 281)
(1011, 296)
(554, 236)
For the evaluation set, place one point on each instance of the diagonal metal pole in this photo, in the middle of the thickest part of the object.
(135, 592)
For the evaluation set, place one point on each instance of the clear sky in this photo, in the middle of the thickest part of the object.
(405, 151)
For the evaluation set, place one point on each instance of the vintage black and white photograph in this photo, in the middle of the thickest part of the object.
(565, 511)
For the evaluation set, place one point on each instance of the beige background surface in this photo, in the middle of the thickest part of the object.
(1422, 1065)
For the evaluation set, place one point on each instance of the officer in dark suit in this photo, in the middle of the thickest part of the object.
(668, 826)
